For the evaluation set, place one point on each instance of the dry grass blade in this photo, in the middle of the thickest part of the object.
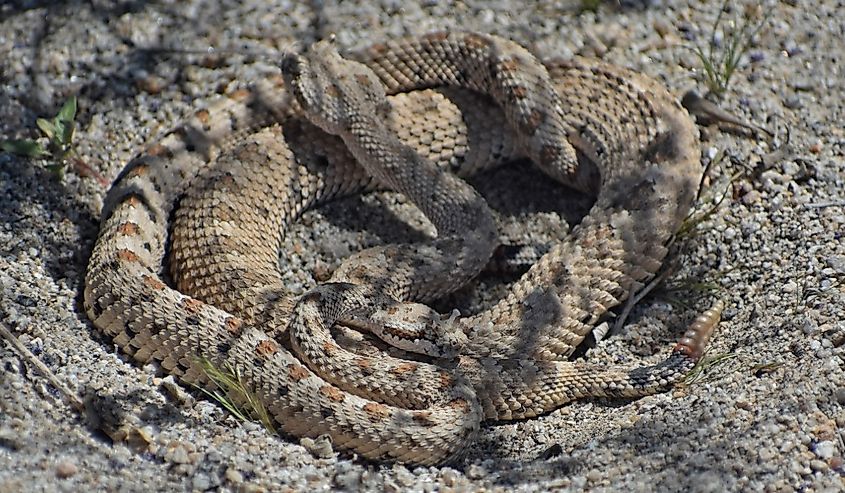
(232, 389)
(702, 371)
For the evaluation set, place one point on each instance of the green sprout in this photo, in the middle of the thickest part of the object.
(59, 133)
(719, 66)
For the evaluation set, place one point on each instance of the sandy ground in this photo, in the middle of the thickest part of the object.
(770, 417)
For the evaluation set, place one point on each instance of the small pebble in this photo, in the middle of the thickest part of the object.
(201, 482)
(799, 468)
(745, 405)
(475, 471)
(320, 447)
(177, 391)
(791, 168)
(792, 102)
(712, 152)
(66, 469)
(593, 46)
(402, 475)
(825, 449)
(448, 476)
(661, 27)
(837, 263)
(234, 476)
(151, 84)
(792, 49)
(594, 475)
(177, 455)
(766, 454)
(840, 395)
(803, 84)
(750, 198)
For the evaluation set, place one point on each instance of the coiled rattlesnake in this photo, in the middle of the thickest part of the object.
(246, 167)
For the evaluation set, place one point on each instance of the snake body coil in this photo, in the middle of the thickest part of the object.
(402, 113)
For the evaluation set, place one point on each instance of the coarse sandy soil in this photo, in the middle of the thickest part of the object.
(769, 416)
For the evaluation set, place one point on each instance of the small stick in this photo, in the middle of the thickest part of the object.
(636, 298)
(69, 396)
(823, 205)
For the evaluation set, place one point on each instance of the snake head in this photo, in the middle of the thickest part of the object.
(335, 93)
(417, 328)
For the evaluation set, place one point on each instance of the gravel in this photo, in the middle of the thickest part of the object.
(768, 417)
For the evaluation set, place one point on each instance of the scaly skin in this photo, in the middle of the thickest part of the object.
(595, 127)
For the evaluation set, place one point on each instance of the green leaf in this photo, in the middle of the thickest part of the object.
(66, 132)
(57, 169)
(68, 111)
(64, 121)
(22, 147)
(47, 127)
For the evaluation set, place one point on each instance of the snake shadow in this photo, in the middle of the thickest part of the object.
(515, 192)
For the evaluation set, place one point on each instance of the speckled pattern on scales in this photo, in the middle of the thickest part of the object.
(243, 169)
